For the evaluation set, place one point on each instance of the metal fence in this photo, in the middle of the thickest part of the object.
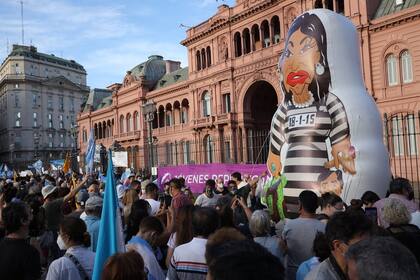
(402, 136)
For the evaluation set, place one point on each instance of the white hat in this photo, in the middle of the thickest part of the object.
(47, 190)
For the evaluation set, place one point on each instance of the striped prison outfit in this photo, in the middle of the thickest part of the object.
(306, 131)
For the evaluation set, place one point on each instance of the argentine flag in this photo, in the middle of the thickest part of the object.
(90, 153)
(110, 239)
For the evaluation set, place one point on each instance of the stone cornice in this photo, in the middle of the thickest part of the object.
(390, 21)
(233, 19)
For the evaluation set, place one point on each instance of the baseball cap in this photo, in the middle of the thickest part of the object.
(47, 190)
(121, 189)
(82, 196)
(93, 202)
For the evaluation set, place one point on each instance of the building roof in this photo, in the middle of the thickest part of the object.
(151, 70)
(32, 52)
(98, 98)
(387, 7)
(171, 78)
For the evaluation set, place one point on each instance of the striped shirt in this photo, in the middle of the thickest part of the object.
(188, 261)
(306, 130)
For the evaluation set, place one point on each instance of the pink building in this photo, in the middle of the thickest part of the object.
(212, 110)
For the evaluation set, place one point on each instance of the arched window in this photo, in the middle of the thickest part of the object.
(136, 121)
(128, 127)
(169, 120)
(406, 67)
(247, 41)
(206, 100)
(329, 4)
(198, 60)
(275, 27)
(392, 71)
(265, 34)
(184, 111)
(186, 152)
(398, 135)
(208, 51)
(256, 41)
(203, 59)
(209, 149)
(161, 116)
(318, 4)
(121, 124)
(238, 44)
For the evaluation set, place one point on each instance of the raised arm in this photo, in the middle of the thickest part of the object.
(76, 189)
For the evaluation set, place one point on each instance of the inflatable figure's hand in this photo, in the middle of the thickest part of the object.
(273, 164)
(343, 154)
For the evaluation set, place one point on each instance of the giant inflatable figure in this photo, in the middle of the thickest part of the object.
(326, 134)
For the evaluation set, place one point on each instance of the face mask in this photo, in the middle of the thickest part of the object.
(61, 243)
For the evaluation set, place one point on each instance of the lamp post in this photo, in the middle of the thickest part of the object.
(36, 142)
(74, 163)
(149, 110)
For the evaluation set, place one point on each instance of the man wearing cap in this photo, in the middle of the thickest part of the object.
(54, 215)
(93, 211)
(81, 198)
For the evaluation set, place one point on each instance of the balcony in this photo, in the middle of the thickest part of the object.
(132, 135)
(204, 122)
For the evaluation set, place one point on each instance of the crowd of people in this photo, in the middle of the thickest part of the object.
(49, 229)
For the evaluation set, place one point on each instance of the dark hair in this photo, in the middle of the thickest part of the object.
(9, 194)
(124, 266)
(225, 211)
(237, 176)
(311, 25)
(139, 211)
(379, 256)
(13, 216)
(37, 224)
(231, 182)
(151, 188)
(326, 173)
(205, 221)
(182, 181)
(397, 185)
(183, 226)
(320, 247)
(369, 197)
(253, 261)
(75, 229)
(176, 183)
(330, 199)
(309, 201)
(211, 183)
(344, 226)
(355, 206)
(151, 224)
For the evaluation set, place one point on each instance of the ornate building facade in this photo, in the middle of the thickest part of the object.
(219, 108)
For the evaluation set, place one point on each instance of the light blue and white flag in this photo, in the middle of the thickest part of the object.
(110, 239)
(90, 153)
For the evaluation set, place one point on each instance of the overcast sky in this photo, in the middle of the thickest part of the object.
(108, 37)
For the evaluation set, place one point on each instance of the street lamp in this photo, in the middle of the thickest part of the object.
(74, 163)
(149, 110)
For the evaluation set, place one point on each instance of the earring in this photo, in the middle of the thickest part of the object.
(319, 69)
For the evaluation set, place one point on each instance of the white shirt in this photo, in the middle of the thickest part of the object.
(415, 219)
(204, 201)
(154, 204)
(64, 268)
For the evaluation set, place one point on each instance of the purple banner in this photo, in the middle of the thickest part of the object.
(196, 175)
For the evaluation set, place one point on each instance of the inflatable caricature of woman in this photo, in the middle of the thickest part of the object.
(313, 131)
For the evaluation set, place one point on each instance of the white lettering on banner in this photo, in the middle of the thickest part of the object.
(200, 178)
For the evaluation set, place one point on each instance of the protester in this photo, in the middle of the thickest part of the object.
(208, 198)
(151, 197)
(299, 234)
(243, 260)
(396, 214)
(179, 199)
(321, 251)
(182, 233)
(124, 266)
(129, 197)
(261, 230)
(343, 230)
(93, 188)
(139, 210)
(330, 204)
(81, 198)
(18, 259)
(220, 188)
(188, 260)
(397, 188)
(93, 219)
(78, 261)
(369, 198)
(236, 177)
(145, 242)
(381, 258)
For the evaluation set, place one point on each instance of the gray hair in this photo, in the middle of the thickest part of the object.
(383, 258)
(259, 223)
(395, 212)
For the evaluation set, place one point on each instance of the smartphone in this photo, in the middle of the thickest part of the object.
(372, 213)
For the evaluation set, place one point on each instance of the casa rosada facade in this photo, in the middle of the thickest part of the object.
(219, 108)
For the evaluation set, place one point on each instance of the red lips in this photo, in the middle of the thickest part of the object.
(298, 77)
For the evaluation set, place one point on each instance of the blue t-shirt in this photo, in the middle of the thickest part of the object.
(305, 267)
(92, 225)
